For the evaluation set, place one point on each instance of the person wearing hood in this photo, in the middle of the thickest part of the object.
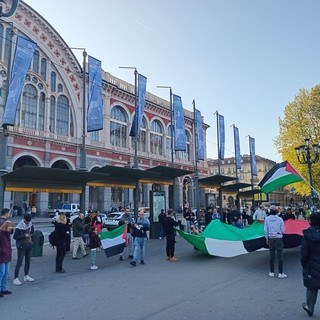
(23, 234)
(310, 261)
(274, 229)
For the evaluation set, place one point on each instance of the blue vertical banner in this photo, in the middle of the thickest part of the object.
(180, 141)
(199, 136)
(21, 62)
(142, 88)
(237, 147)
(252, 147)
(95, 109)
(222, 138)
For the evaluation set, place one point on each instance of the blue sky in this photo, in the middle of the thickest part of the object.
(245, 59)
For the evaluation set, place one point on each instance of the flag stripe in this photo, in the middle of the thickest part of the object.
(113, 242)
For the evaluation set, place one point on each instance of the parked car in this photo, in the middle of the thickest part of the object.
(113, 219)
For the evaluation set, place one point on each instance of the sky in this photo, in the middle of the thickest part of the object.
(245, 59)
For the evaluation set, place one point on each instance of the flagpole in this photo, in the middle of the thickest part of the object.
(196, 172)
(235, 160)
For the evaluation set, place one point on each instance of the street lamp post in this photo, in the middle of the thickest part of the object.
(305, 156)
(135, 160)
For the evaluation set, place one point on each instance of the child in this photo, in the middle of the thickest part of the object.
(94, 244)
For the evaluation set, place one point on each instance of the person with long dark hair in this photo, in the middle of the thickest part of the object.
(61, 237)
(310, 260)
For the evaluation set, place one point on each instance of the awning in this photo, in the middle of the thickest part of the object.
(170, 172)
(235, 187)
(215, 181)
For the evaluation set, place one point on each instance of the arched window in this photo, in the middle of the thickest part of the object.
(142, 143)
(53, 81)
(94, 136)
(156, 137)
(29, 107)
(35, 62)
(43, 70)
(60, 87)
(118, 127)
(185, 155)
(42, 102)
(168, 142)
(62, 124)
(52, 114)
(3, 95)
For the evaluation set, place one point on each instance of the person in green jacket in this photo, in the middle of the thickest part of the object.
(78, 232)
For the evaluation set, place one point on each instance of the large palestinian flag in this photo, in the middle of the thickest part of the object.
(280, 175)
(113, 242)
(224, 240)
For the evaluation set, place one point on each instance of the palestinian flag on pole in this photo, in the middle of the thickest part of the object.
(113, 242)
(280, 175)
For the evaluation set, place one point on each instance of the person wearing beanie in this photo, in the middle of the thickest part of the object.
(23, 234)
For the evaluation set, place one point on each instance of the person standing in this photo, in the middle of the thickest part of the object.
(235, 216)
(94, 244)
(23, 234)
(169, 224)
(161, 218)
(208, 216)
(140, 227)
(310, 261)
(128, 220)
(260, 214)
(5, 214)
(60, 226)
(274, 229)
(78, 232)
(5, 255)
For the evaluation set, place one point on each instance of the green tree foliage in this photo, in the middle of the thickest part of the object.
(301, 120)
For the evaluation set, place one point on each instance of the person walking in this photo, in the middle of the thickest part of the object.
(94, 244)
(128, 220)
(310, 261)
(274, 229)
(161, 218)
(140, 228)
(5, 255)
(60, 226)
(169, 224)
(23, 234)
(78, 228)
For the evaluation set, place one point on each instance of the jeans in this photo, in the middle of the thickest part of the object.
(78, 241)
(276, 244)
(161, 233)
(93, 256)
(26, 254)
(129, 245)
(4, 271)
(139, 250)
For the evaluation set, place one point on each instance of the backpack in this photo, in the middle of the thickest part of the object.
(52, 238)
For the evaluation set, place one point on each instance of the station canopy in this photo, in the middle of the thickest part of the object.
(215, 181)
(39, 179)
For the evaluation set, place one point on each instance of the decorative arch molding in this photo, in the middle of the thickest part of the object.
(30, 155)
(67, 161)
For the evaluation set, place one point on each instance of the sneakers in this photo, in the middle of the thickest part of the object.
(75, 258)
(306, 309)
(133, 263)
(130, 257)
(27, 278)
(142, 262)
(282, 275)
(6, 292)
(85, 255)
(271, 274)
(94, 267)
(16, 282)
(168, 258)
(174, 259)
(61, 271)
(121, 258)
(1, 295)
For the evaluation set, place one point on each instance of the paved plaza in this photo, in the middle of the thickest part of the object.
(195, 287)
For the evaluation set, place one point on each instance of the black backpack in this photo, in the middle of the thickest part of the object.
(52, 238)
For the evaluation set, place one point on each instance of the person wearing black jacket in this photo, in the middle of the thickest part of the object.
(61, 236)
(169, 224)
(310, 261)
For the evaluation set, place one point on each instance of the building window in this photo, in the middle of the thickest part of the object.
(29, 107)
(60, 87)
(52, 114)
(1, 40)
(118, 127)
(94, 136)
(156, 138)
(53, 81)
(35, 62)
(43, 70)
(42, 102)
(168, 142)
(185, 155)
(7, 46)
(62, 115)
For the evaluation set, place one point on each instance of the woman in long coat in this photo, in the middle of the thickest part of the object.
(310, 260)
